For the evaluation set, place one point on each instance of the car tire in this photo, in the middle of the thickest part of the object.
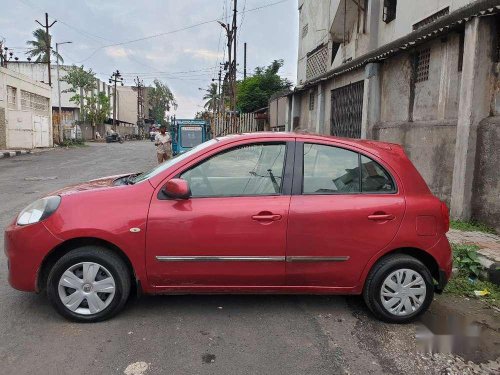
(108, 279)
(384, 292)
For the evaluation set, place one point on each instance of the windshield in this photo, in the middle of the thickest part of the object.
(191, 136)
(176, 159)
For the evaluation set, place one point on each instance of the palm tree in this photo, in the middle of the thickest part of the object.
(211, 97)
(38, 47)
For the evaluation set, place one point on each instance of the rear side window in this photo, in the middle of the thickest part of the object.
(334, 170)
(374, 178)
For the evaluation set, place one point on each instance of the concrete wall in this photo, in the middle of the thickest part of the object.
(486, 185)
(431, 148)
(127, 104)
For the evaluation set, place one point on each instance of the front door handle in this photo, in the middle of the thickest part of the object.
(266, 217)
(381, 217)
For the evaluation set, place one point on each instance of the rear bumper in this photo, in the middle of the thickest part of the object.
(443, 255)
(26, 247)
(442, 281)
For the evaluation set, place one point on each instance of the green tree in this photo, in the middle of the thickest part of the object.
(211, 97)
(161, 100)
(38, 47)
(255, 91)
(94, 108)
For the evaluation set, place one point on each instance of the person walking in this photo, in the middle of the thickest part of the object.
(163, 145)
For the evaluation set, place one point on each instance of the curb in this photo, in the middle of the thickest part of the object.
(492, 268)
(10, 154)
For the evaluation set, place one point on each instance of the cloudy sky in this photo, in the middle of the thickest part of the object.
(109, 35)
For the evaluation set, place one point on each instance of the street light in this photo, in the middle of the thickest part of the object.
(61, 133)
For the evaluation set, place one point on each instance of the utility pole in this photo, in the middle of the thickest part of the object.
(47, 27)
(115, 77)
(140, 102)
(231, 64)
(245, 60)
(235, 45)
(61, 132)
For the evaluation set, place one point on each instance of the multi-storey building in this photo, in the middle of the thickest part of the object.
(424, 74)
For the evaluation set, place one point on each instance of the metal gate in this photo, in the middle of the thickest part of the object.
(346, 110)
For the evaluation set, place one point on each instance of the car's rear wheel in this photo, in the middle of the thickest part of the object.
(398, 289)
(89, 284)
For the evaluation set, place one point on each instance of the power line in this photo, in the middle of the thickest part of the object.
(175, 31)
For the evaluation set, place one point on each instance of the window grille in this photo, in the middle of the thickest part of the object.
(422, 60)
(312, 96)
(316, 62)
(389, 13)
(34, 102)
(347, 110)
(11, 97)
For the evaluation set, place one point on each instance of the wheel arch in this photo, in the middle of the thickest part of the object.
(68, 245)
(426, 258)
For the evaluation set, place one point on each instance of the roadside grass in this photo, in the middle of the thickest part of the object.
(461, 285)
(73, 143)
(466, 280)
(471, 226)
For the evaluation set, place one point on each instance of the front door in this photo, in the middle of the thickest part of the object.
(232, 231)
(345, 208)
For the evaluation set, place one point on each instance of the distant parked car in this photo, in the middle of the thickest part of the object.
(255, 213)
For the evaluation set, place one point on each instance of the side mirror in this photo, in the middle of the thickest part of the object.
(177, 188)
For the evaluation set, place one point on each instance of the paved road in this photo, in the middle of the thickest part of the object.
(182, 334)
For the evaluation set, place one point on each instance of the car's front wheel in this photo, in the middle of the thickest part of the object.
(89, 284)
(398, 289)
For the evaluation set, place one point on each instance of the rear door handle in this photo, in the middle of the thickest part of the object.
(267, 217)
(381, 217)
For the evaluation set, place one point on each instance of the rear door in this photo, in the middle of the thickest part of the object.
(345, 207)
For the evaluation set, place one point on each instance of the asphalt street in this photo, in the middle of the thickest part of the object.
(183, 334)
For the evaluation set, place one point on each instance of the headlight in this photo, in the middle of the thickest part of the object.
(38, 210)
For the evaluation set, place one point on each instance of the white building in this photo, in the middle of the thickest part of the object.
(126, 106)
(423, 74)
(25, 112)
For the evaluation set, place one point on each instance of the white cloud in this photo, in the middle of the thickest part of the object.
(117, 51)
(203, 54)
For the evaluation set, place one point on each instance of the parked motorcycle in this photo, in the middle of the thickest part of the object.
(114, 138)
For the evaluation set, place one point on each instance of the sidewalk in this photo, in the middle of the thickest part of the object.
(489, 248)
(11, 153)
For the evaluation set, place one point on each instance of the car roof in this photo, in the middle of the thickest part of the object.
(367, 144)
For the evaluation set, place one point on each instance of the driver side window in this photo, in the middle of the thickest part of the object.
(255, 169)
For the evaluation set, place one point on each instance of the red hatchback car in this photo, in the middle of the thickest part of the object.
(255, 213)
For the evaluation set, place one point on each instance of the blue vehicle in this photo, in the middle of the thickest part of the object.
(187, 134)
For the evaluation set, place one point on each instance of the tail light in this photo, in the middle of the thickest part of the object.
(446, 216)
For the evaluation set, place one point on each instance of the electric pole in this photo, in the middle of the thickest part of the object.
(115, 77)
(61, 130)
(245, 60)
(140, 102)
(231, 63)
(47, 35)
(235, 45)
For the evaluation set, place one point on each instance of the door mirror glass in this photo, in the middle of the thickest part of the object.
(177, 188)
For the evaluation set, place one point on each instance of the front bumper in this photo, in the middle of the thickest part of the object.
(26, 247)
